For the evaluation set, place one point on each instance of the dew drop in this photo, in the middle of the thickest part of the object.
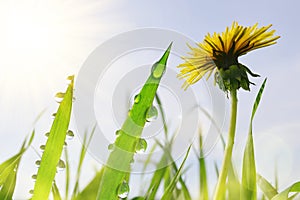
(47, 134)
(111, 146)
(31, 191)
(61, 165)
(132, 161)
(141, 146)
(38, 163)
(53, 115)
(158, 70)
(42, 147)
(118, 132)
(129, 113)
(59, 97)
(34, 176)
(123, 190)
(70, 134)
(70, 79)
(65, 144)
(137, 98)
(151, 114)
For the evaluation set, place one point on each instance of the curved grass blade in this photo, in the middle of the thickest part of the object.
(268, 190)
(9, 169)
(122, 155)
(249, 190)
(54, 147)
(7, 189)
(285, 194)
(168, 192)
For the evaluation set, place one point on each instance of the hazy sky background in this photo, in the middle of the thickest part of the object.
(34, 67)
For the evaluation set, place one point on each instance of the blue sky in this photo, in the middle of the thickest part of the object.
(30, 76)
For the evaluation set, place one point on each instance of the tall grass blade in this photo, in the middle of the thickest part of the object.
(54, 147)
(67, 174)
(168, 192)
(249, 190)
(204, 194)
(167, 149)
(157, 178)
(84, 147)
(118, 163)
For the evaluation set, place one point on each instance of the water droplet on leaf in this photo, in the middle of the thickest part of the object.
(141, 146)
(59, 97)
(151, 114)
(111, 146)
(118, 132)
(61, 164)
(34, 176)
(38, 163)
(137, 98)
(158, 70)
(42, 147)
(47, 134)
(123, 190)
(31, 191)
(70, 134)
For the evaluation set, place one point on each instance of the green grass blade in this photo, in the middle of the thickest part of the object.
(54, 147)
(233, 184)
(55, 192)
(204, 194)
(258, 98)
(163, 116)
(249, 171)
(167, 149)
(167, 177)
(7, 189)
(118, 163)
(168, 192)
(157, 178)
(9, 170)
(84, 147)
(285, 194)
(268, 190)
(249, 190)
(67, 174)
(91, 190)
(216, 169)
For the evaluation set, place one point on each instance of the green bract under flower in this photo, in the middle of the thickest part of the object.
(219, 53)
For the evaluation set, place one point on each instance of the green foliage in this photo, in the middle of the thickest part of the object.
(116, 169)
(54, 146)
(249, 168)
(9, 170)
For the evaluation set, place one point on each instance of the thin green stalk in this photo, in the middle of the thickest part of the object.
(221, 185)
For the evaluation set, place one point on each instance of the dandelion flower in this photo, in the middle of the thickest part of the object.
(219, 53)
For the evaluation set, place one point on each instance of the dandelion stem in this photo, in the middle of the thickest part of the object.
(221, 185)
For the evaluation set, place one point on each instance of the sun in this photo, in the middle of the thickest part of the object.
(47, 40)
